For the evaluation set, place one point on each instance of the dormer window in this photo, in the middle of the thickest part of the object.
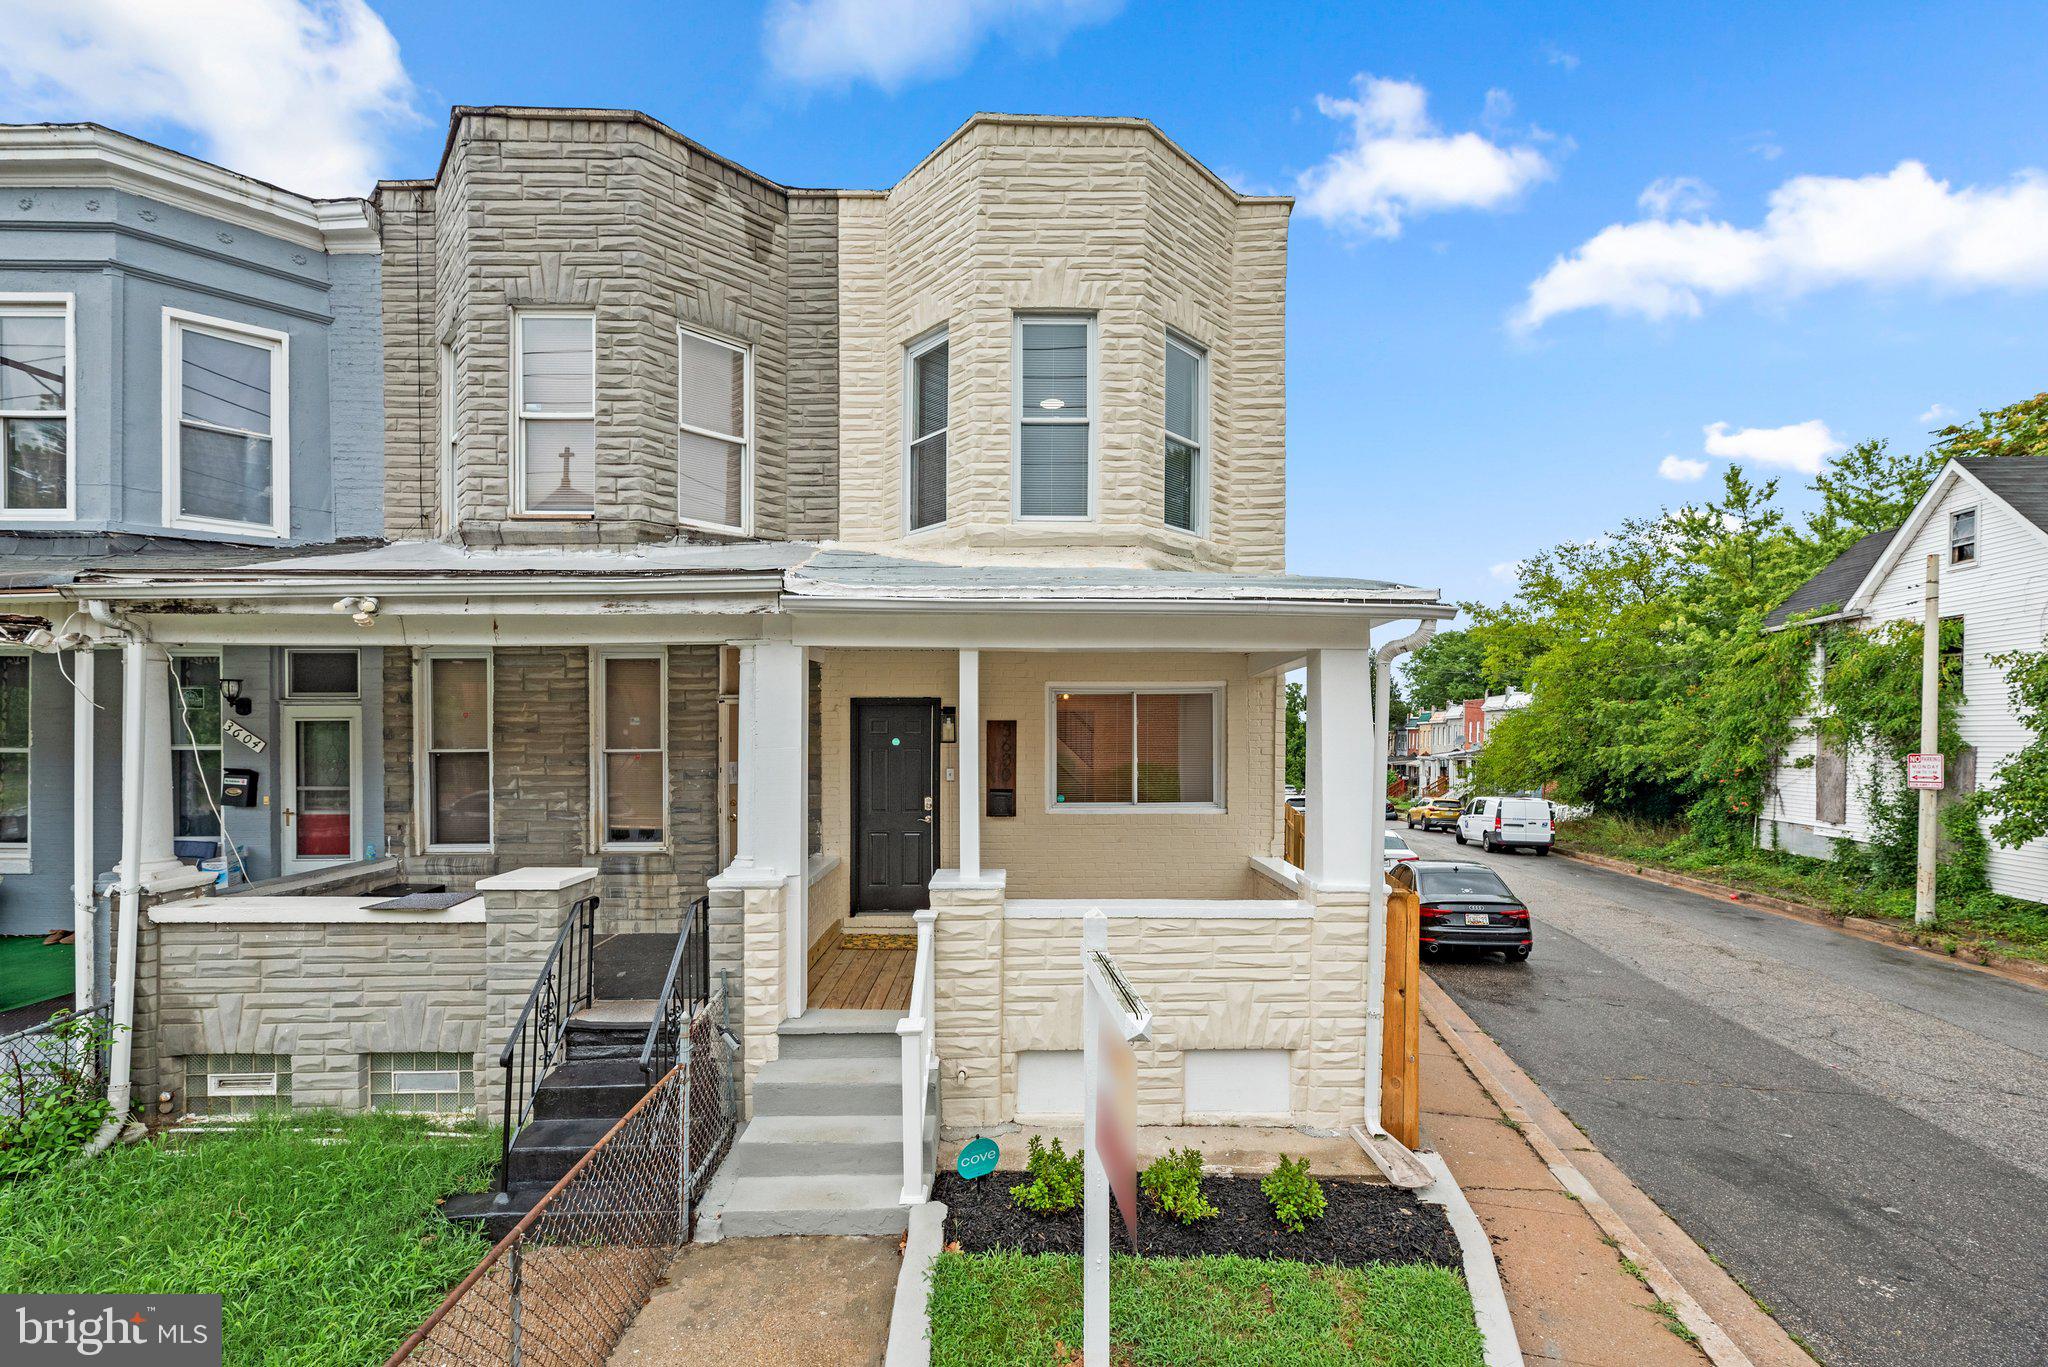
(35, 406)
(714, 451)
(1054, 406)
(1962, 537)
(556, 373)
(226, 462)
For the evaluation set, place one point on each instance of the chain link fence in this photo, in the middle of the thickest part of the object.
(64, 1056)
(564, 1284)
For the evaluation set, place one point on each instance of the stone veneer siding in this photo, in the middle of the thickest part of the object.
(541, 809)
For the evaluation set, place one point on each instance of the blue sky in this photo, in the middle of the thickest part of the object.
(1746, 241)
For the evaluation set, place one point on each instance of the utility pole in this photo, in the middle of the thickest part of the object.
(1930, 741)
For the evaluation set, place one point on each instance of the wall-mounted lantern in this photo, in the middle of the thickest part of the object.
(231, 690)
(949, 726)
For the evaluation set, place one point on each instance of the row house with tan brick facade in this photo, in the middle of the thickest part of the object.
(826, 594)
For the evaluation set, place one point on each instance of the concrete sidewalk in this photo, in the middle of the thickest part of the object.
(815, 1301)
(1572, 1299)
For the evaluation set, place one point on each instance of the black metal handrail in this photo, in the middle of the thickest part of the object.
(683, 992)
(565, 986)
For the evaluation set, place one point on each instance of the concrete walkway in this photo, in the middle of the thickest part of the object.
(1572, 1300)
(814, 1301)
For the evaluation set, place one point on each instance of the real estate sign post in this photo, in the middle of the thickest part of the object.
(1112, 1017)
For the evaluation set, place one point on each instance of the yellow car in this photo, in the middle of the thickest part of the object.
(1435, 814)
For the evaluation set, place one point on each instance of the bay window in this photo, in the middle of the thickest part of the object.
(14, 705)
(226, 462)
(555, 376)
(632, 743)
(458, 745)
(714, 437)
(35, 406)
(1055, 438)
(1186, 402)
(1149, 748)
(925, 431)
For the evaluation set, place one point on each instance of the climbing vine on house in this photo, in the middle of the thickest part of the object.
(2017, 800)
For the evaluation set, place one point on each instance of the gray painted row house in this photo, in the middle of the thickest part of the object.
(839, 561)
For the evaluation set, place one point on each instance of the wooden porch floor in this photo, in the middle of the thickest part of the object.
(857, 979)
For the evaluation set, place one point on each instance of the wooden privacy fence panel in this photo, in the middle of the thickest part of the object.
(1295, 825)
(1401, 1037)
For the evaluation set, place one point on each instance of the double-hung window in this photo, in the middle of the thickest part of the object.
(35, 406)
(444, 381)
(195, 746)
(1148, 748)
(227, 456)
(925, 431)
(632, 732)
(458, 744)
(14, 705)
(555, 374)
(1187, 368)
(1054, 404)
(1962, 537)
(714, 437)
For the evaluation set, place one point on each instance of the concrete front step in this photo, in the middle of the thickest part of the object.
(818, 1145)
(762, 1206)
(840, 1034)
(590, 1089)
(544, 1150)
(610, 1029)
(830, 1087)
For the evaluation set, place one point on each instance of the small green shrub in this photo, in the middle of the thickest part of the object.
(1055, 1184)
(50, 1101)
(1173, 1183)
(1296, 1197)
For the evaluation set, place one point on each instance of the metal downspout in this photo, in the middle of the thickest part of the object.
(120, 1070)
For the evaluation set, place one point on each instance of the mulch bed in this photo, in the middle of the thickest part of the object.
(1366, 1223)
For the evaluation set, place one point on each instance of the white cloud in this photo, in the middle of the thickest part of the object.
(1507, 571)
(892, 43)
(1675, 197)
(302, 93)
(1557, 56)
(1801, 446)
(1681, 469)
(1396, 163)
(1900, 228)
(1937, 413)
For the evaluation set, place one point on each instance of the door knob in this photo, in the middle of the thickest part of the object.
(287, 816)
(927, 818)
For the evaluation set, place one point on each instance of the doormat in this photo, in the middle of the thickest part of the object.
(876, 939)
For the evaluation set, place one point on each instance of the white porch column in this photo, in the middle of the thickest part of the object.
(1341, 765)
(774, 815)
(83, 790)
(161, 870)
(967, 726)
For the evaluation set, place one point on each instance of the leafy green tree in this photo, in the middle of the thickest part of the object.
(2019, 429)
(1450, 667)
(2017, 800)
(1297, 736)
(1868, 488)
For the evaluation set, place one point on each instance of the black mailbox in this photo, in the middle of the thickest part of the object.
(238, 787)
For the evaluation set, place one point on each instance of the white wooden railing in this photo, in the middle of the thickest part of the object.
(918, 1035)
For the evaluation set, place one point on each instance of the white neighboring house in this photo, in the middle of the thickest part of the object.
(1988, 520)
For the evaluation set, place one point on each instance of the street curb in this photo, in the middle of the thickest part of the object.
(1461, 1032)
(2025, 971)
(910, 1339)
(1482, 1274)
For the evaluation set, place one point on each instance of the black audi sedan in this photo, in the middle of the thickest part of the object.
(1466, 906)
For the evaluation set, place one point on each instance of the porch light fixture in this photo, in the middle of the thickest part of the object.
(362, 609)
(949, 726)
(231, 690)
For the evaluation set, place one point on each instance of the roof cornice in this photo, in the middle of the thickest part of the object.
(84, 154)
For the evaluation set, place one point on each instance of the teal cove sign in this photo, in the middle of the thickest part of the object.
(978, 1159)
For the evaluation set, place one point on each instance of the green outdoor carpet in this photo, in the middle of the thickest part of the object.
(31, 971)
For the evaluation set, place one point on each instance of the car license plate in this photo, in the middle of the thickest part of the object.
(1476, 918)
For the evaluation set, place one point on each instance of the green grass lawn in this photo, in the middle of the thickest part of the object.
(1984, 920)
(319, 1232)
(1000, 1309)
(31, 971)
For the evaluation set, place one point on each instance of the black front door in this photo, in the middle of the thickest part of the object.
(895, 803)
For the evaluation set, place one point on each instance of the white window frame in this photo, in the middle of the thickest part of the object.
(1198, 478)
(424, 750)
(519, 508)
(1975, 543)
(1218, 691)
(38, 305)
(14, 854)
(745, 526)
(290, 694)
(444, 378)
(599, 792)
(930, 341)
(176, 323)
(1017, 419)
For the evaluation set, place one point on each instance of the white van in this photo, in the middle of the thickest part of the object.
(1506, 823)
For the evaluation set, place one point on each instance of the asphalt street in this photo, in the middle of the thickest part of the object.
(1858, 1132)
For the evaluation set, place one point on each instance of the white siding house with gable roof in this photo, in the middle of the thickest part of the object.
(1988, 520)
